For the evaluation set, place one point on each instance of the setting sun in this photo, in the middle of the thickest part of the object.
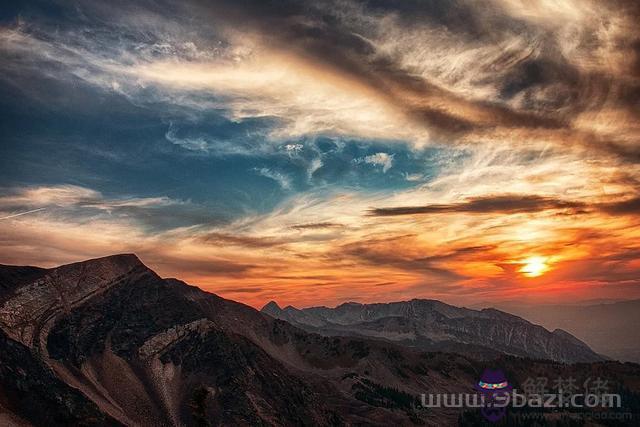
(534, 266)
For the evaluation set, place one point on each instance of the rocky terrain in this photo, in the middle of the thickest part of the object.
(435, 326)
(107, 342)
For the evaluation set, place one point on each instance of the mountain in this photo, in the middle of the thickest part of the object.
(609, 328)
(115, 339)
(435, 326)
(107, 342)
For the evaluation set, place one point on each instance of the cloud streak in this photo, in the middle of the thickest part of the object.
(502, 204)
(22, 213)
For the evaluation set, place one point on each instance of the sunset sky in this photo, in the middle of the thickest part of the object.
(320, 152)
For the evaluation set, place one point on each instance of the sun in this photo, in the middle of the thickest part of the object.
(534, 266)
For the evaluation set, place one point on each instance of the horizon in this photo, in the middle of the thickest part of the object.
(315, 153)
(501, 306)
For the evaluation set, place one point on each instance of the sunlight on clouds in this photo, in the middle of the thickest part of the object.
(63, 195)
(530, 105)
(308, 99)
(328, 244)
(534, 266)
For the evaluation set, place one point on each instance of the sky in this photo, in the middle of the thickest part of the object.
(319, 152)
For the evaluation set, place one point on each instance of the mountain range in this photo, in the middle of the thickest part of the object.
(435, 326)
(108, 342)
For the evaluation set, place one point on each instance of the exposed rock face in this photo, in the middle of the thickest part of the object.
(433, 325)
(28, 308)
(108, 342)
(34, 391)
(137, 348)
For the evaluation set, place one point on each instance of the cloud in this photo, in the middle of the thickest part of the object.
(284, 181)
(22, 213)
(193, 144)
(536, 84)
(463, 259)
(66, 195)
(623, 207)
(504, 204)
(59, 195)
(371, 255)
(514, 204)
(241, 290)
(459, 74)
(314, 165)
(293, 149)
(242, 137)
(316, 226)
(83, 204)
(192, 266)
(379, 159)
(239, 240)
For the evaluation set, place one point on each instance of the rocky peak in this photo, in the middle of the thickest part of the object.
(271, 308)
(118, 262)
(30, 306)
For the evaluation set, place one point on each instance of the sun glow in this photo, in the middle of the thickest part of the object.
(534, 266)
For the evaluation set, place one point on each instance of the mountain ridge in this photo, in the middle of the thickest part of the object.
(431, 322)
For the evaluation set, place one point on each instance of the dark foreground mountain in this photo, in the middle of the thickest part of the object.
(107, 342)
(435, 326)
(609, 328)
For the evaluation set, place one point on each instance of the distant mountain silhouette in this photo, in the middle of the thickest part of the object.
(611, 329)
(433, 325)
(107, 342)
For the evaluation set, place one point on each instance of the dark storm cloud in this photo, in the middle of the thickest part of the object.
(506, 204)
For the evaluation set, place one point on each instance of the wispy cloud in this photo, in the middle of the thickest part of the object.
(379, 159)
(84, 204)
(501, 204)
(22, 213)
(487, 75)
(284, 181)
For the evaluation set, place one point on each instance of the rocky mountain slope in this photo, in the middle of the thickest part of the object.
(111, 334)
(433, 325)
(107, 342)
